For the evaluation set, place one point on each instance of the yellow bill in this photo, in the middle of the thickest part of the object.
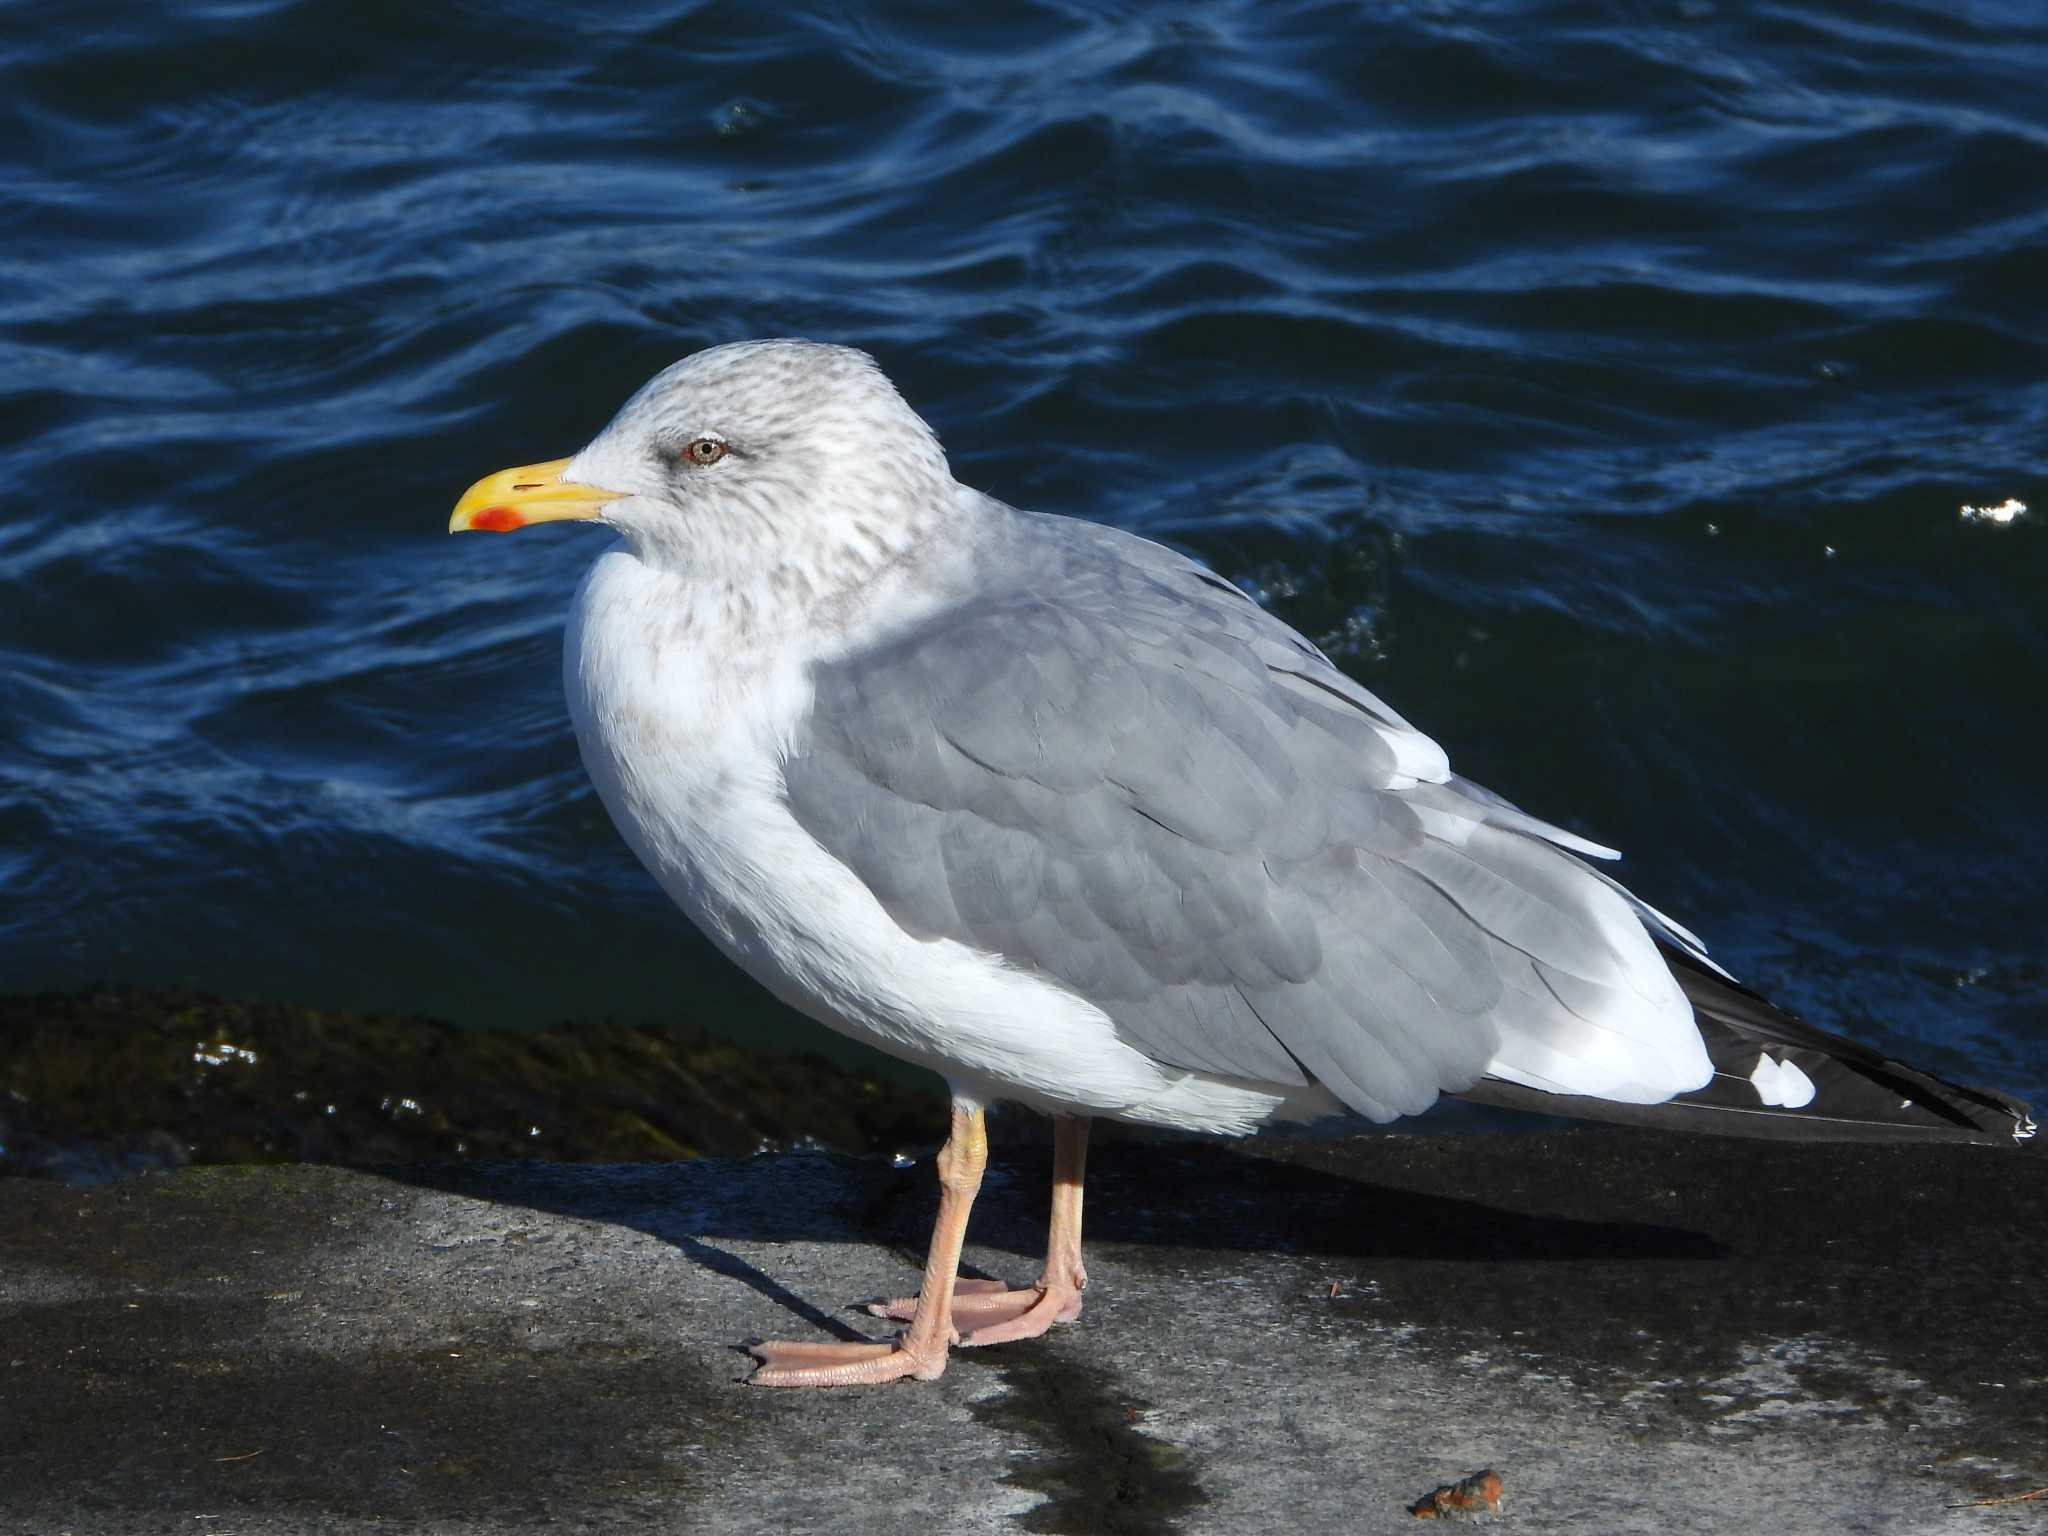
(532, 493)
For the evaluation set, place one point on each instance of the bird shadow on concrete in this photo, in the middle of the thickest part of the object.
(1176, 1198)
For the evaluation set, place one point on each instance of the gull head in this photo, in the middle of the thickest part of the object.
(786, 462)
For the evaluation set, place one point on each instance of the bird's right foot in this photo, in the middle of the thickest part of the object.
(795, 1363)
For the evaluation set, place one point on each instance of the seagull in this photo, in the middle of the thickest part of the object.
(1068, 818)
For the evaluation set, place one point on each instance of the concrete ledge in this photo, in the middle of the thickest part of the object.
(1639, 1332)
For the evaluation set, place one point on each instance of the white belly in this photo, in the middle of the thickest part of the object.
(684, 740)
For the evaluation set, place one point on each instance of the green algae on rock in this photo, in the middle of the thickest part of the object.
(95, 1085)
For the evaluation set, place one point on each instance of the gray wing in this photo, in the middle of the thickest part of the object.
(1114, 769)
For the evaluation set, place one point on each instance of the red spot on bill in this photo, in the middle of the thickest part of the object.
(497, 520)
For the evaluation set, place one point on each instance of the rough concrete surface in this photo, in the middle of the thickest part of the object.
(1639, 1332)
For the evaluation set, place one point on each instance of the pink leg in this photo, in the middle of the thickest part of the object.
(992, 1312)
(920, 1350)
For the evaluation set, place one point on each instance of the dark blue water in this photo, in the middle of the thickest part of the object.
(1600, 381)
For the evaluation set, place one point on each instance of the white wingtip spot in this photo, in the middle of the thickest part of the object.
(1780, 1084)
(1765, 1079)
(1795, 1085)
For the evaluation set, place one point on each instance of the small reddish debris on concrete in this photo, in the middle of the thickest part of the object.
(1475, 1498)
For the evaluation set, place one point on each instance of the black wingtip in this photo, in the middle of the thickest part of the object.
(1825, 1087)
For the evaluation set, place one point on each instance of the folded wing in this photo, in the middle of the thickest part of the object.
(1106, 765)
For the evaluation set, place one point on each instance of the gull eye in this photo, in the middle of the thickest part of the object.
(704, 450)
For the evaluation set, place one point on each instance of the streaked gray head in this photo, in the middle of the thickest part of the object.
(785, 462)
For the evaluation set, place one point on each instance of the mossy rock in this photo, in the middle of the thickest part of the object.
(96, 1084)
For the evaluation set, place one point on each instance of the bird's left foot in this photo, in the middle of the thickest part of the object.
(790, 1363)
(990, 1312)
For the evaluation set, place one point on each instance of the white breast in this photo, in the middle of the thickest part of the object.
(684, 725)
